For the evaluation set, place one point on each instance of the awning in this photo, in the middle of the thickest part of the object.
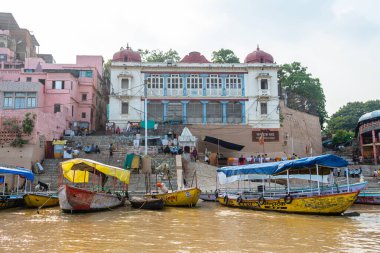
(234, 173)
(18, 171)
(222, 143)
(82, 175)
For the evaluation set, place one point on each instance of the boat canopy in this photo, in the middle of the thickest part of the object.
(77, 170)
(18, 171)
(244, 172)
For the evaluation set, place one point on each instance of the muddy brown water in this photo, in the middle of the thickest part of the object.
(208, 227)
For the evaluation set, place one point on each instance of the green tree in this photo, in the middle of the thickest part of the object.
(342, 136)
(159, 55)
(224, 56)
(346, 118)
(304, 93)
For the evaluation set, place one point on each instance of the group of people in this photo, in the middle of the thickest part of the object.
(91, 149)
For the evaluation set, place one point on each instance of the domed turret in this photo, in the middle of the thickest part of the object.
(194, 57)
(126, 55)
(258, 56)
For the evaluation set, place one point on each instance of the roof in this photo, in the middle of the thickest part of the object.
(259, 56)
(18, 171)
(127, 55)
(234, 173)
(369, 116)
(8, 22)
(80, 174)
(194, 57)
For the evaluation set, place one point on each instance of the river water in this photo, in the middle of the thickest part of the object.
(208, 227)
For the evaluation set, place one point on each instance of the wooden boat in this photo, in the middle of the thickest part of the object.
(209, 196)
(286, 200)
(186, 197)
(41, 199)
(368, 197)
(147, 203)
(92, 191)
(14, 197)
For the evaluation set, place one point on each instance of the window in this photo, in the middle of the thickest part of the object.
(125, 83)
(214, 85)
(28, 79)
(155, 85)
(175, 85)
(83, 115)
(194, 85)
(57, 108)
(264, 108)
(233, 85)
(264, 84)
(124, 108)
(20, 100)
(42, 81)
(8, 99)
(31, 100)
(84, 96)
(85, 73)
(58, 85)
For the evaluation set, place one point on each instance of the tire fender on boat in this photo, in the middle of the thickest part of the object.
(288, 199)
(261, 200)
(239, 200)
(216, 193)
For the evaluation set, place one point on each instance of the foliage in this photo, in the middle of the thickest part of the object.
(224, 56)
(346, 118)
(28, 123)
(342, 136)
(107, 73)
(304, 93)
(12, 125)
(159, 55)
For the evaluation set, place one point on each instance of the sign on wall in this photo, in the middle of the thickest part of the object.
(269, 135)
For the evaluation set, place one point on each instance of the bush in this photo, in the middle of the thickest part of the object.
(342, 136)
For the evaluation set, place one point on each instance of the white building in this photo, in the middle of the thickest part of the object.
(195, 91)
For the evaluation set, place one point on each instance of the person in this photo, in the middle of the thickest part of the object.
(241, 160)
(117, 130)
(207, 160)
(167, 150)
(97, 150)
(338, 171)
(194, 154)
(111, 149)
(128, 127)
(252, 159)
(92, 148)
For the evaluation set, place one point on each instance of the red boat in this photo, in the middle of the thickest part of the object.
(92, 189)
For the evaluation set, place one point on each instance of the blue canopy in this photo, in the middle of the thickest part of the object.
(275, 168)
(18, 171)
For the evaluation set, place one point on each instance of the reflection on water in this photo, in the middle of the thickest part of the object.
(207, 228)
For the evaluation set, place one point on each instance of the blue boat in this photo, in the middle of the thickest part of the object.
(14, 183)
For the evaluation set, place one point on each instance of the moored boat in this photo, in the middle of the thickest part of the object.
(146, 203)
(368, 197)
(41, 199)
(316, 200)
(19, 180)
(186, 197)
(84, 186)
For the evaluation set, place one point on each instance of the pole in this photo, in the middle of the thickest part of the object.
(319, 191)
(146, 117)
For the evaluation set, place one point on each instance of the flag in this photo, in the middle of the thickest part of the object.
(261, 139)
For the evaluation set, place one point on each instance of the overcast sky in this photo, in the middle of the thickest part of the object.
(338, 40)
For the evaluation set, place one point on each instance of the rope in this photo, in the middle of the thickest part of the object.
(38, 209)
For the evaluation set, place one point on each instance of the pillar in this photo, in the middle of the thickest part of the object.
(361, 144)
(374, 146)
(204, 83)
(242, 112)
(204, 114)
(224, 111)
(165, 110)
(242, 85)
(184, 111)
(165, 76)
(224, 91)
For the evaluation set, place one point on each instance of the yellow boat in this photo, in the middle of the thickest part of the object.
(330, 204)
(187, 197)
(40, 199)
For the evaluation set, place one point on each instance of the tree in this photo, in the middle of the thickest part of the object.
(342, 136)
(158, 55)
(224, 56)
(304, 93)
(347, 117)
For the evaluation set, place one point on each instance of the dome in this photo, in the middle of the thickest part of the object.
(126, 55)
(370, 115)
(258, 56)
(194, 57)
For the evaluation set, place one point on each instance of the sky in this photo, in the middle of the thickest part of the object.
(337, 40)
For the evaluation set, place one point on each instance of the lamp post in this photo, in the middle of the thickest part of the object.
(146, 116)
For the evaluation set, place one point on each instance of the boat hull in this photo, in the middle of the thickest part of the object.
(187, 198)
(365, 197)
(9, 201)
(41, 199)
(206, 196)
(331, 204)
(147, 203)
(72, 199)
